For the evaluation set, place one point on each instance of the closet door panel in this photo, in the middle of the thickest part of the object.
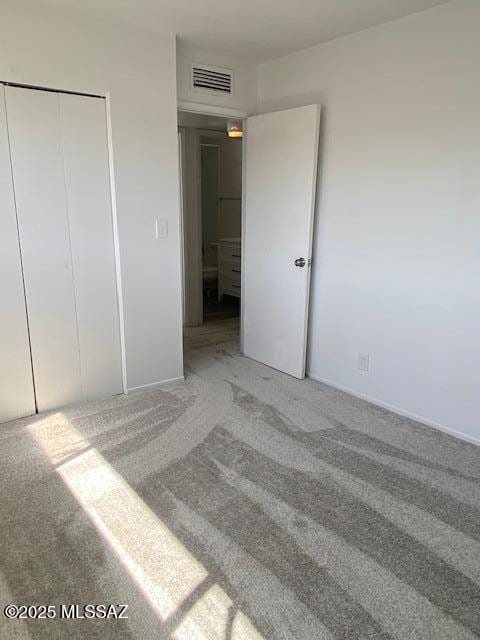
(37, 163)
(87, 179)
(16, 385)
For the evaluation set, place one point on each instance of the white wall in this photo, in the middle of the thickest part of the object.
(53, 48)
(397, 258)
(245, 81)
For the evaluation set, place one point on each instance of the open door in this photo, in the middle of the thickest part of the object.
(280, 181)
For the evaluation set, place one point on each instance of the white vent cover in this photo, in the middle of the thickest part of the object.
(208, 78)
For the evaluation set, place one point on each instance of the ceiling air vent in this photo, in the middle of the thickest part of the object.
(212, 79)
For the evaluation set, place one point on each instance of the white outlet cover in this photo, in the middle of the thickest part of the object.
(161, 228)
(364, 362)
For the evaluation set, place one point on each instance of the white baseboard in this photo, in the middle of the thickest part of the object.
(394, 409)
(151, 385)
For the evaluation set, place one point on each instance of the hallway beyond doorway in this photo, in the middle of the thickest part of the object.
(212, 333)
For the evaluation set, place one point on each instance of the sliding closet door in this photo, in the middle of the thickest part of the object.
(36, 152)
(85, 150)
(16, 385)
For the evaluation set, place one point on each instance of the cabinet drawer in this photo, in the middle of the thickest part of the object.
(231, 289)
(229, 254)
(230, 273)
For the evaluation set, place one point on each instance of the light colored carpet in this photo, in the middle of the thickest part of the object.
(240, 504)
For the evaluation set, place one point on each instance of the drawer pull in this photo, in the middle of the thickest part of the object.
(234, 255)
(236, 271)
(237, 286)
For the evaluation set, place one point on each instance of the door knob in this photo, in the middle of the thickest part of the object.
(300, 262)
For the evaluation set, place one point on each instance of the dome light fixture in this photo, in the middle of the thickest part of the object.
(234, 129)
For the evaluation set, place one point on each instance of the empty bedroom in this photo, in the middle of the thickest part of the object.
(239, 312)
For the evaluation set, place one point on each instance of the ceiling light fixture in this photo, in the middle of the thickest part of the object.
(234, 129)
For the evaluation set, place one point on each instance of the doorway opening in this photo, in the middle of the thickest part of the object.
(211, 186)
(268, 269)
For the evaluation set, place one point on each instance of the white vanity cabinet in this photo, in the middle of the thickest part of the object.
(229, 267)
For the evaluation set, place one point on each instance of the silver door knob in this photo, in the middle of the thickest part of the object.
(300, 262)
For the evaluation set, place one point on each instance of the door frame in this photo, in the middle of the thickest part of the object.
(238, 114)
(208, 110)
(243, 210)
(211, 110)
(191, 225)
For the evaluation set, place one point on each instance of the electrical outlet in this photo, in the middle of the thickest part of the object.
(364, 362)
(161, 228)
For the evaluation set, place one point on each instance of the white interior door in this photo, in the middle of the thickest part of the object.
(16, 384)
(281, 167)
(87, 186)
(37, 162)
(62, 187)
